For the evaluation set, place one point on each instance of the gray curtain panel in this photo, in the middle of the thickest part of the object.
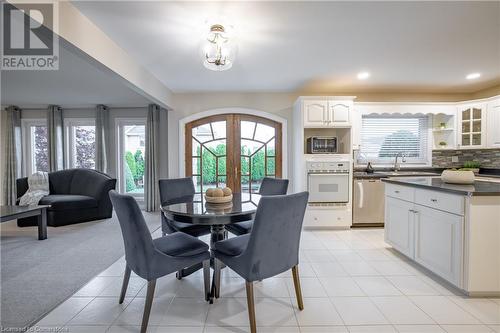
(11, 154)
(151, 165)
(101, 137)
(55, 130)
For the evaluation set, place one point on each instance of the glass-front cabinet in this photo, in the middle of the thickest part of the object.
(471, 126)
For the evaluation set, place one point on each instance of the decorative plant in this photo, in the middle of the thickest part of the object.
(471, 165)
(442, 143)
(442, 125)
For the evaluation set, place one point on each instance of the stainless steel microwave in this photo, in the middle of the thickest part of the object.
(322, 145)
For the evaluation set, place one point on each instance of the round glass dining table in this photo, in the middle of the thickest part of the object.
(195, 209)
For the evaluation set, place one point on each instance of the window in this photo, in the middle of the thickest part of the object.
(234, 150)
(81, 143)
(36, 152)
(384, 137)
(131, 139)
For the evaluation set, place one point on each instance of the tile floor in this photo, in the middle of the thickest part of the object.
(351, 281)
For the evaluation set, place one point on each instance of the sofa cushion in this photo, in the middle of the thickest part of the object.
(68, 202)
(180, 244)
(232, 246)
(60, 181)
(88, 182)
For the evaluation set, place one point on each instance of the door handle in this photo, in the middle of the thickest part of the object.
(361, 195)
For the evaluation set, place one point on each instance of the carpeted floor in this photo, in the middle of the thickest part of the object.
(38, 275)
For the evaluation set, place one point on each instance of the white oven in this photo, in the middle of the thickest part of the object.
(328, 182)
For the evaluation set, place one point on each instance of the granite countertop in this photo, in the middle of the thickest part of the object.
(479, 188)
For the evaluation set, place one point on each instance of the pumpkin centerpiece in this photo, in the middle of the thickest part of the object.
(218, 195)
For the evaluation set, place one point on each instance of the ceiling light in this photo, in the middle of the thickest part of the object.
(219, 49)
(473, 76)
(363, 75)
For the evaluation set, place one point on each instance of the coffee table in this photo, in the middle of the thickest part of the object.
(8, 213)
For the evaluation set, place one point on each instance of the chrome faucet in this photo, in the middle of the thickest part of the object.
(397, 166)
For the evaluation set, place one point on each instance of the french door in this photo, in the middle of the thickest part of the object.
(233, 150)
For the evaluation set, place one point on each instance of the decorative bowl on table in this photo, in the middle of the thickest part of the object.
(219, 208)
(218, 195)
(458, 177)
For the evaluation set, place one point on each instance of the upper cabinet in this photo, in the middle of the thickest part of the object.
(493, 115)
(338, 113)
(472, 126)
(326, 113)
(315, 113)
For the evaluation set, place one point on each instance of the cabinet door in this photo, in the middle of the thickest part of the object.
(399, 225)
(493, 118)
(338, 114)
(472, 133)
(315, 113)
(438, 242)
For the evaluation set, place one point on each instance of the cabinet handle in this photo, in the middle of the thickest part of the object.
(434, 200)
(396, 191)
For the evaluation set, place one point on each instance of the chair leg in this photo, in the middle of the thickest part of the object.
(217, 269)
(147, 306)
(251, 307)
(296, 283)
(178, 275)
(206, 278)
(126, 278)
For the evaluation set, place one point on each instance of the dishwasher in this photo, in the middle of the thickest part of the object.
(368, 203)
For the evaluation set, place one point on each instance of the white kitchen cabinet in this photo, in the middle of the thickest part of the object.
(399, 219)
(472, 126)
(315, 113)
(338, 113)
(493, 118)
(326, 113)
(439, 242)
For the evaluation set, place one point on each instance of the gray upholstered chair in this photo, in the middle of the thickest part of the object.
(269, 186)
(153, 258)
(272, 247)
(174, 191)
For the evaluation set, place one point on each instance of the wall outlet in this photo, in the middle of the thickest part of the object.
(454, 159)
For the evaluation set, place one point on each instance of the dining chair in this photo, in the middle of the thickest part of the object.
(271, 248)
(174, 191)
(153, 258)
(269, 186)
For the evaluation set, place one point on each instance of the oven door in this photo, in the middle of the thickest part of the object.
(328, 187)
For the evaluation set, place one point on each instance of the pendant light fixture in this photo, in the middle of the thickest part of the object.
(219, 49)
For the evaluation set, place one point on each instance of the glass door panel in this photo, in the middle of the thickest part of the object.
(232, 150)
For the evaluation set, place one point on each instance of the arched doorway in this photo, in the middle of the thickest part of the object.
(234, 150)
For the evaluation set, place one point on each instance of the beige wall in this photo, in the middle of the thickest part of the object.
(187, 104)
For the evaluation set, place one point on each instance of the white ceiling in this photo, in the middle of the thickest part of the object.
(78, 82)
(316, 46)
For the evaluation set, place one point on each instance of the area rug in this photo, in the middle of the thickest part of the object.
(36, 275)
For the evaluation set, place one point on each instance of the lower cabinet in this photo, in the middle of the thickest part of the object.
(430, 236)
(439, 242)
(399, 225)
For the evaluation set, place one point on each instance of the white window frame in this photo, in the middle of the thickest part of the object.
(28, 143)
(69, 134)
(409, 161)
(120, 123)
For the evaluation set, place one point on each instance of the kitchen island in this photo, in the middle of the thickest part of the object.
(451, 230)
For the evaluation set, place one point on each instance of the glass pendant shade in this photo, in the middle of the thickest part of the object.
(219, 49)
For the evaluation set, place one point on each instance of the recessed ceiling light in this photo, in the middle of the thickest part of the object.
(363, 75)
(473, 76)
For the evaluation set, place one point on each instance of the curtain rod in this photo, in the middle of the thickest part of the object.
(111, 108)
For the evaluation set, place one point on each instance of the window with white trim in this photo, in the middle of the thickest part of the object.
(80, 143)
(35, 146)
(383, 137)
(131, 135)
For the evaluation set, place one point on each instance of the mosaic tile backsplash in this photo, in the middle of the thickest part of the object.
(489, 158)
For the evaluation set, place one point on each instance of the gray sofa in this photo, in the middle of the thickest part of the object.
(76, 195)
